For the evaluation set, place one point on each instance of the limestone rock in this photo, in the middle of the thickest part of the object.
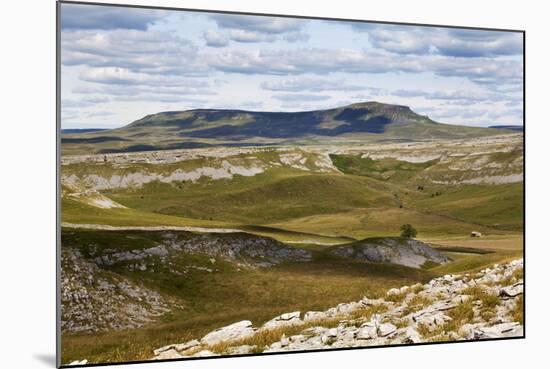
(315, 315)
(367, 331)
(512, 291)
(412, 336)
(445, 293)
(168, 354)
(386, 329)
(395, 250)
(204, 353)
(283, 320)
(499, 331)
(79, 362)
(178, 347)
(241, 350)
(242, 329)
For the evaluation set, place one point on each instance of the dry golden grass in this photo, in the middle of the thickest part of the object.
(460, 315)
(367, 312)
(514, 278)
(496, 242)
(396, 297)
(517, 312)
(265, 337)
(488, 300)
(417, 303)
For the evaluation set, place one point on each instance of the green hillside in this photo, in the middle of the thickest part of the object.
(369, 121)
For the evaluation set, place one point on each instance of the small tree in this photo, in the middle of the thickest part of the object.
(408, 231)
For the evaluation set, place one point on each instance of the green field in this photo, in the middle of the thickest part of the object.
(215, 299)
(305, 206)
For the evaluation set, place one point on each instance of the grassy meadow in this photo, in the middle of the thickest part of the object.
(303, 208)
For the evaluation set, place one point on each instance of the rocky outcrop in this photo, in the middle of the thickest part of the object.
(395, 250)
(96, 297)
(240, 248)
(484, 305)
(283, 320)
(95, 300)
(249, 249)
(239, 330)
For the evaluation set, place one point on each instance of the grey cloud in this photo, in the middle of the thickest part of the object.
(318, 61)
(401, 42)
(269, 25)
(76, 16)
(476, 43)
(253, 104)
(215, 39)
(133, 90)
(372, 91)
(300, 97)
(241, 35)
(160, 98)
(449, 42)
(310, 84)
(460, 96)
(84, 103)
(323, 61)
(123, 76)
(138, 51)
(296, 37)
(101, 113)
(250, 29)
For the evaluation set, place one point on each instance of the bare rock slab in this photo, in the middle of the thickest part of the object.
(239, 330)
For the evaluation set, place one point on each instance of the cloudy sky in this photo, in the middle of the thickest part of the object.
(119, 64)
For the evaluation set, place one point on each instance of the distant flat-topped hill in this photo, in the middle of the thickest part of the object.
(368, 121)
(509, 127)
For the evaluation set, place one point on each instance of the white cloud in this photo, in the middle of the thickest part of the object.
(214, 38)
(401, 42)
(310, 84)
(139, 51)
(464, 96)
(268, 25)
(324, 61)
(220, 61)
(300, 97)
(449, 42)
(241, 35)
(250, 29)
(80, 16)
(124, 76)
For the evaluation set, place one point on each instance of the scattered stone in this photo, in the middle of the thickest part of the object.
(77, 362)
(365, 301)
(187, 345)
(395, 250)
(178, 347)
(412, 336)
(283, 320)
(499, 331)
(242, 329)
(446, 292)
(393, 292)
(204, 353)
(367, 331)
(386, 329)
(315, 315)
(168, 354)
(512, 291)
(241, 350)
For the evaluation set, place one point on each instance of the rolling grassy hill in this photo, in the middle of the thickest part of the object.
(371, 121)
(308, 198)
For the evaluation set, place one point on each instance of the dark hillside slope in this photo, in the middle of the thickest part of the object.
(370, 121)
